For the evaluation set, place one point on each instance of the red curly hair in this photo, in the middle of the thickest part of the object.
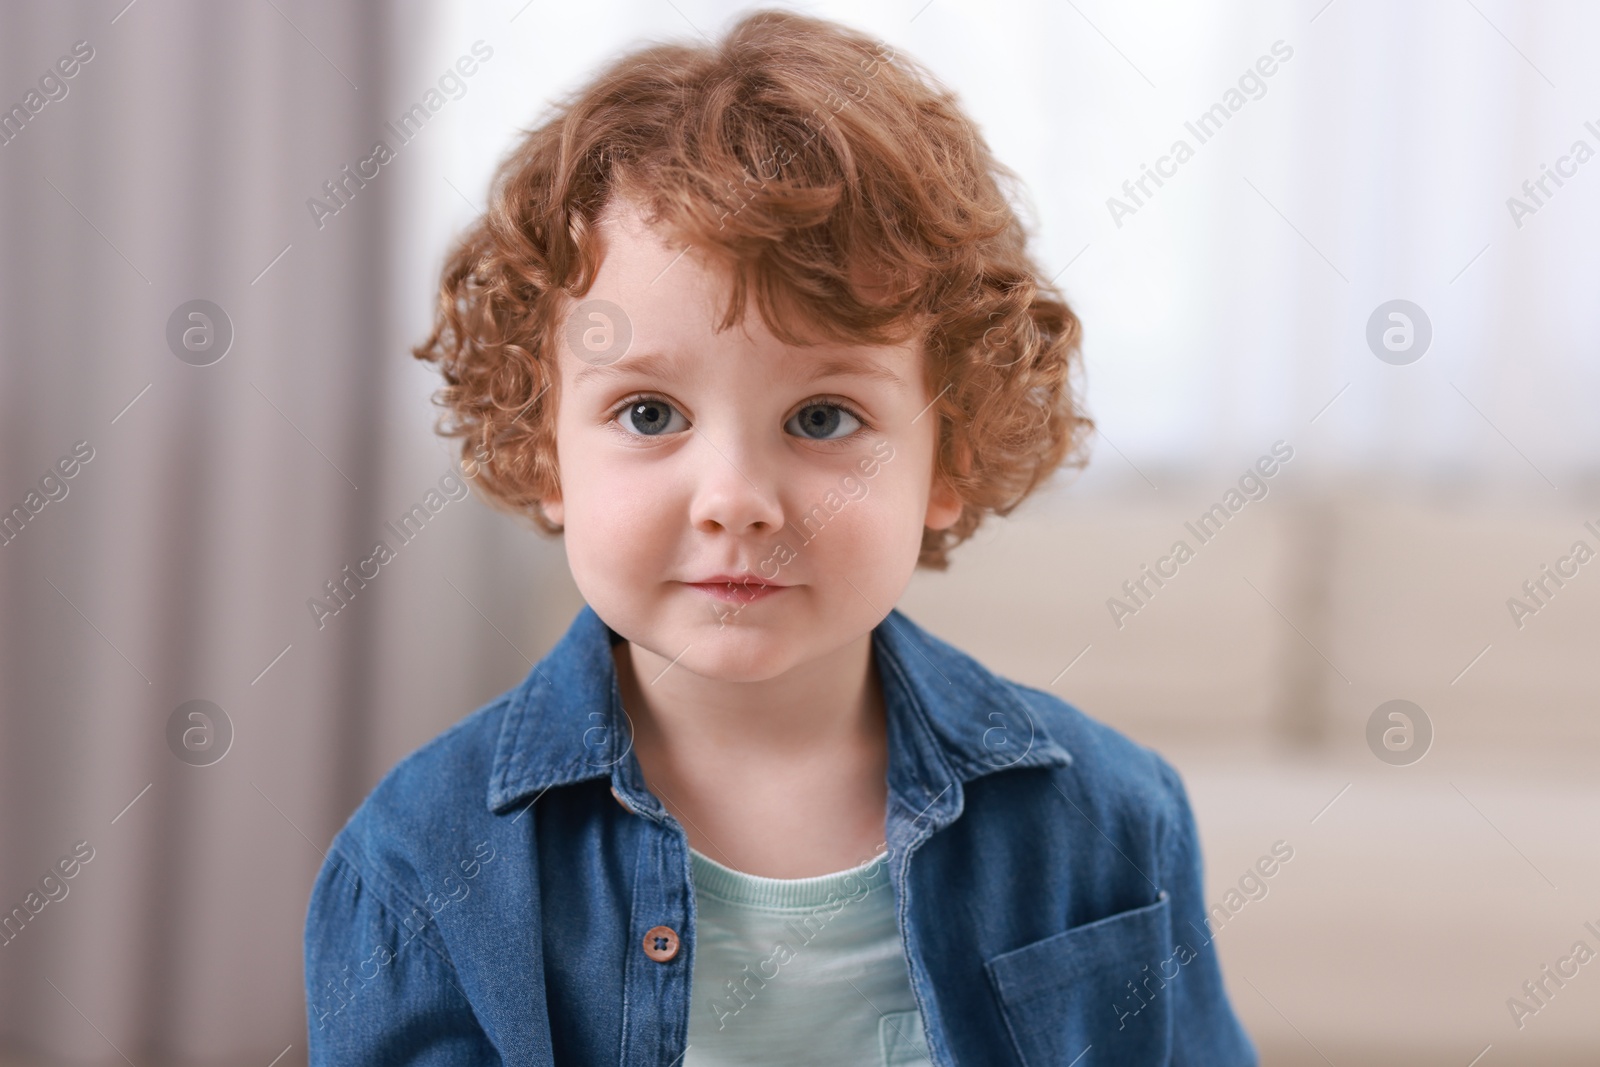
(837, 180)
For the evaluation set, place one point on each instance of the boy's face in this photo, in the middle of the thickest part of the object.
(804, 471)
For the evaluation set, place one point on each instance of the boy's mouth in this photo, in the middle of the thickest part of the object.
(736, 588)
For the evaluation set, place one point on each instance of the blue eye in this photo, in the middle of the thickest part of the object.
(823, 422)
(651, 417)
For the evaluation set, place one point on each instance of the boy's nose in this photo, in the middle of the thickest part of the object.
(733, 493)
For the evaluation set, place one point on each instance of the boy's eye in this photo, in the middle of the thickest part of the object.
(651, 417)
(823, 422)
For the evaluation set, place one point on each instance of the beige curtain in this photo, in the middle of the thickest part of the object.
(209, 499)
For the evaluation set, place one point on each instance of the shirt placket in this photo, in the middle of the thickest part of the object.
(921, 803)
(660, 946)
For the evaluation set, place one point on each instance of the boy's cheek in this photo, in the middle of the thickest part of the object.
(621, 533)
(869, 535)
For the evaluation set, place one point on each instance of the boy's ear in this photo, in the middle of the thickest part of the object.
(553, 510)
(944, 505)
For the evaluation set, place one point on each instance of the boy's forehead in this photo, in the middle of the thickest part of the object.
(644, 257)
(668, 297)
(664, 288)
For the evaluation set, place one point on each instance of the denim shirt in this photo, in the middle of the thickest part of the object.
(513, 893)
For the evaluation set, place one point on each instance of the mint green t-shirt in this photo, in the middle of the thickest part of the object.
(800, 971)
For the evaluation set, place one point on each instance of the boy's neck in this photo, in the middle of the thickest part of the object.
(833, 702)
(786, 778)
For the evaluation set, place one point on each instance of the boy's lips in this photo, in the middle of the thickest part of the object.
(736, 588)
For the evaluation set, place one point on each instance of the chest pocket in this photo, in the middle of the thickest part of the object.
(1085, 996)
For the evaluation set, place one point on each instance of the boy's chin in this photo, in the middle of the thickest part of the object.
(738, 651)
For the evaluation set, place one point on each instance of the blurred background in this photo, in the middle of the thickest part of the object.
(1430, 161)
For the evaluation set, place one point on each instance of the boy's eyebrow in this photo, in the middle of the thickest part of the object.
(654, 364)
(847, 368)
(651, 363)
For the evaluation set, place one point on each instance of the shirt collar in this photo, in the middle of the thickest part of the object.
(950, 720)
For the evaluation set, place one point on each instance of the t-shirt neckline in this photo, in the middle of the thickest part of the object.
(753, 890)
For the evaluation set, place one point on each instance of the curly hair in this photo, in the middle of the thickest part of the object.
(839, 181)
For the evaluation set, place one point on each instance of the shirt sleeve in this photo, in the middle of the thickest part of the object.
(380, 986)
(1205, 1031)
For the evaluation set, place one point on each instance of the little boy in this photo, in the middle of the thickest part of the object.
(753, 324)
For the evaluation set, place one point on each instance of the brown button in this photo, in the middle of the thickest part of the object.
(661, 943)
